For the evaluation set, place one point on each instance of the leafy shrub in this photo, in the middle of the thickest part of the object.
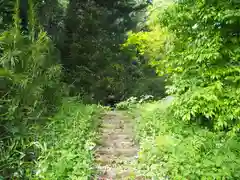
(149, 85)
(6, 11)
(68, 141)
(30, 91)
(147, 49)
(203, 64)
(127, 104)
(133, 101)
(195, 45)
(172, 149)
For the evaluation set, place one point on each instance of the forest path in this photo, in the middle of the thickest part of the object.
(117, 152)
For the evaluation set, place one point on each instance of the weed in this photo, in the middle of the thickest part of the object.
(179, 150)
(69, 140)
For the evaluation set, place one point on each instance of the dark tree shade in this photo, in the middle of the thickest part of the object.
(24, 15)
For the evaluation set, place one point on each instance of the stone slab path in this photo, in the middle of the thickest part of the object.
(117, 151)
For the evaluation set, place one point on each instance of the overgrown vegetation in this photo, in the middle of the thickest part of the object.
(195, 45)
(67, 142)
(30, 89)
(31, 92)
(205, 62)
(175, 149)
(50, 50)
(93, 59)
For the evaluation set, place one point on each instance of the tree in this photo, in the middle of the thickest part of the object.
(6, 11)
(204, 62)
(91, 53)
(23, 14)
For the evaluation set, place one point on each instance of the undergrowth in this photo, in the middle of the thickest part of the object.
(41, 137)
(59, 149)
(67, 143)
(132, 102)
(30, 91)
(175, 149)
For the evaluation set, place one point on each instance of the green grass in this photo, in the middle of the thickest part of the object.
(66, 143)
(174, 149)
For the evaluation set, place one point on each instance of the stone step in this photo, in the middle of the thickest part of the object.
(119, 136)
(111, 131)
(116, 133)
(115, 173)
(118, 144)
(127, 152)
(110, 124)
(117, 152)
(112, 160)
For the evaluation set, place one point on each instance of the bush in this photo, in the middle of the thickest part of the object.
(203, 64)
(132, 102)
(174, 149)
(149, 85)
(30, 91)
(68, 141)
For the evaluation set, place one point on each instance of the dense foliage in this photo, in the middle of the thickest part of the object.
(173, 149)
(50, 49)
(204, 62)
(94, 48)
(195, 44)
(30, 89)
(67, 142)
(92, 57)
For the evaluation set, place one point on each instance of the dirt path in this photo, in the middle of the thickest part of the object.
(117, 152)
